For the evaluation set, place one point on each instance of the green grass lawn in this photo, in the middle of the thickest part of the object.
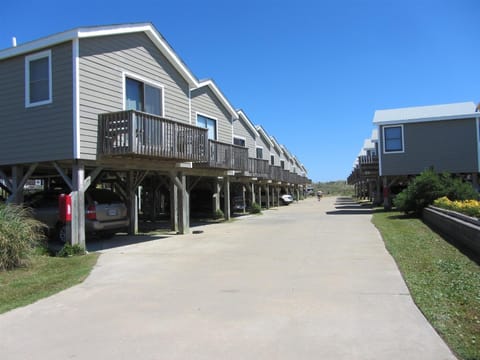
(45, 276)
(444, 283)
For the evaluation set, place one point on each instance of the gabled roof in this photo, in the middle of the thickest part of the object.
(286, 152)
(276, 144)
(97, 31)
(247, 121)
(425, 113)
(264, 135)
(223, 100)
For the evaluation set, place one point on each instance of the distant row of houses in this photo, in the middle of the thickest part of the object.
(407, 141)
(116, 102)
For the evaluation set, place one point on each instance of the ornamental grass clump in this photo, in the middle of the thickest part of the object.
(467, 207)
(19, 235)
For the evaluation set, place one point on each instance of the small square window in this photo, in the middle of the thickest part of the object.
(393, 138)
(38, 79)
(239, 141)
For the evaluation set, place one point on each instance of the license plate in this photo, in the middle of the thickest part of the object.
(112, 212)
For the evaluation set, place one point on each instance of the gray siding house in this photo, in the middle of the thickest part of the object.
(445, 137)
(115, 102)
(410, 140)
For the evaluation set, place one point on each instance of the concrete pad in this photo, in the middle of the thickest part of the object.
(311, 280)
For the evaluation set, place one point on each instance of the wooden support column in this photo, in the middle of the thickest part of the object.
(183, 202)
(216, 196)
(252, 185)
(273, 196)
(184, 205)
(244, 200)
(17, 194)
(268, 196)
(132, 203)
(173, 204)
(76, 231)
(226, 197)
(260, 195)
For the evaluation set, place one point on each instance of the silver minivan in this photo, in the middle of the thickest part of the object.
(105, 212)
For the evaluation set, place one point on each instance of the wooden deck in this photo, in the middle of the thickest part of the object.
(139, 134)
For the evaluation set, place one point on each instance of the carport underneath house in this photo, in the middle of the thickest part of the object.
(179, 170)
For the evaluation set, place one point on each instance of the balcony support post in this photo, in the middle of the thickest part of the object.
(183, 200)
(268, 196)
(226, 197)
(260, 195)
(173, 205)
(75, 230)
(216, 196)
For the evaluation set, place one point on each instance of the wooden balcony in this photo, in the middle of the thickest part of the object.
(133, 133)
(226, 156)
(258, 167)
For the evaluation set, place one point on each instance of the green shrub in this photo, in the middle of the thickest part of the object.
(255, 209)
(218, 214)
(71, 250)
(429, 186)
(19, 235)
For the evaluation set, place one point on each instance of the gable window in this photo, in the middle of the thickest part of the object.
(208, 123)
(238, 141)
(143, 97)
(38, 79)
(393, 138)
(259, 153)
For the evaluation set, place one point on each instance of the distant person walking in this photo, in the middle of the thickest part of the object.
(319, 195)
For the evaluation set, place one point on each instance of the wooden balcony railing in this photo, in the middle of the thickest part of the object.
(368, 159)
(226, 156)
(139, 134)
(258, 167)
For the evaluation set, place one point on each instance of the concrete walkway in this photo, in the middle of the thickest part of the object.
(309, 281)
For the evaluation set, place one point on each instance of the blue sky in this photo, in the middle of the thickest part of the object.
(311, 72)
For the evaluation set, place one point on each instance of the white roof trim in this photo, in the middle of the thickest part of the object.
(248, 122)
(219, 95)
(264, 134)
(97, 31)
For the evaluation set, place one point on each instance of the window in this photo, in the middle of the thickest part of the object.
(393, 138)
(210, 124)
(143, 97)
(238, 141)
(272, 160)
(38, 79)
(282, 164)
(259, 153)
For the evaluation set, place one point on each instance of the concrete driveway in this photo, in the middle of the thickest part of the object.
(309, 281)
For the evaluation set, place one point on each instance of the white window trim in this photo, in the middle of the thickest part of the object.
(239, 138)
(403, 139)
(209, 117)
(144, 80)
(28, 59)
